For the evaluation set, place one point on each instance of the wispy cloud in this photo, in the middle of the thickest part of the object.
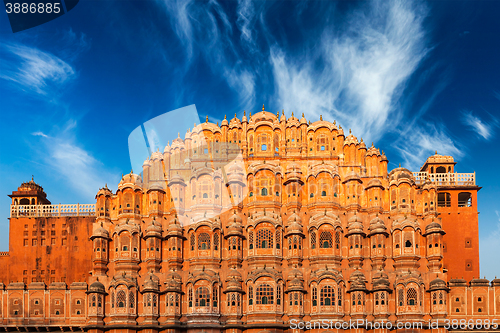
(71, 162)
(199, 29)
(481, 128)
(31, 69)
(366, 66)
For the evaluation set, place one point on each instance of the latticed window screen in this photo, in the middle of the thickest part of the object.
(339, 296)
(278, 294)
(294, 242)
(400, 297)
(215, 295)
(278, 238)
(233, 299)
(93, 300)
(314, 296)
(411, 296)
(313, 239)
(203, 241)
(147, 300)
(434, 298)
(337, 240)
(202, 296)
(440, 297)
(325, 239)
(131, 299)
(99, 300)
(359, 299)
(216, 241)
(121, 298)
(250, 239)
(265, 294)
(190, 297)
(382, 298)
(112, 299)
(155, 300)
(327, 296)
(250, 295)
(322, 143)
(264, 239)
(171, 300)
(192, 241)
(177, 299)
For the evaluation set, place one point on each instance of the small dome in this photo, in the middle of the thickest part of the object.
(97, 287)
(354, 225)
(154, 228)
(303, 120)
(100, 232)
(235, 227)
(437, 283)
(377, 225)
(224, 121)
(294, 224)
(174, 228)
(151, 283)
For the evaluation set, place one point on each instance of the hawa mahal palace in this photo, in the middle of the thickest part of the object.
(309, 226)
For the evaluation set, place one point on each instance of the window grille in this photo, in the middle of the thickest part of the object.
(264, 239)
(325, 239)
(265, 294)
(203, 241)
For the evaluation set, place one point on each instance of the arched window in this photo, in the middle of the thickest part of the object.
(264, 147)
(444, 199)
(464, 199)
(411, 296)
(400, 297)
(314, 296)
(202, 297)
(250, 240)
(203, 241)
(327, 296)
(250, 295)
(325, 240)
(215, 295)
(120, 299)
(264, 191)
(408, 243)
(323, 193)
(99, 301)
(216, 241)
(192, 241)
(264, 239)
(265, 294)
(190, 296)
(92, 302)
(337, 240)
(131, 299)
(313, 239)
(278, 239)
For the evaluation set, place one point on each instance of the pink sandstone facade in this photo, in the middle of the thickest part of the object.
(311, 228)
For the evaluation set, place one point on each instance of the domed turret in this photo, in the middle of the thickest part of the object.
(97, 287)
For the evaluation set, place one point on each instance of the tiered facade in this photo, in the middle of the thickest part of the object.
(310, 227)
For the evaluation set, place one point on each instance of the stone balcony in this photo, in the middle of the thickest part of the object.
(52, 210)
(446, 179)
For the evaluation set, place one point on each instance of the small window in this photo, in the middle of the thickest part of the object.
(323, 193)
(264, 147)
(205, 151)
(322, 148)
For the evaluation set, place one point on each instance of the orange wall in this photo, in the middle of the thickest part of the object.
(60, 263)
(461, 241)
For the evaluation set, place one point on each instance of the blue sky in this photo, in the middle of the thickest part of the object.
(413, 77)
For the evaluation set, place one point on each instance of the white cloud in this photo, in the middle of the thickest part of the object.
(477, 125)
(246, 15)
(197, 28)
(366, 67)
(32, 69)
(423, 141)
(75, 165)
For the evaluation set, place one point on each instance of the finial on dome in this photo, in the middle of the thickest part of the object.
(361, 140)
(194, 125)
(302, 114)
(436, 152)
(32, 178)
(262, 107)
(217, 123)
(244, 113)
(334, 122)
(225, 117)
(350, 131)
(206, 120)
(372, 143)
(321, 117)
(400, 165)
(131, 171)
(178, 134)
(292, 114)
(235, 116)
(283, 112)
(250, 114)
